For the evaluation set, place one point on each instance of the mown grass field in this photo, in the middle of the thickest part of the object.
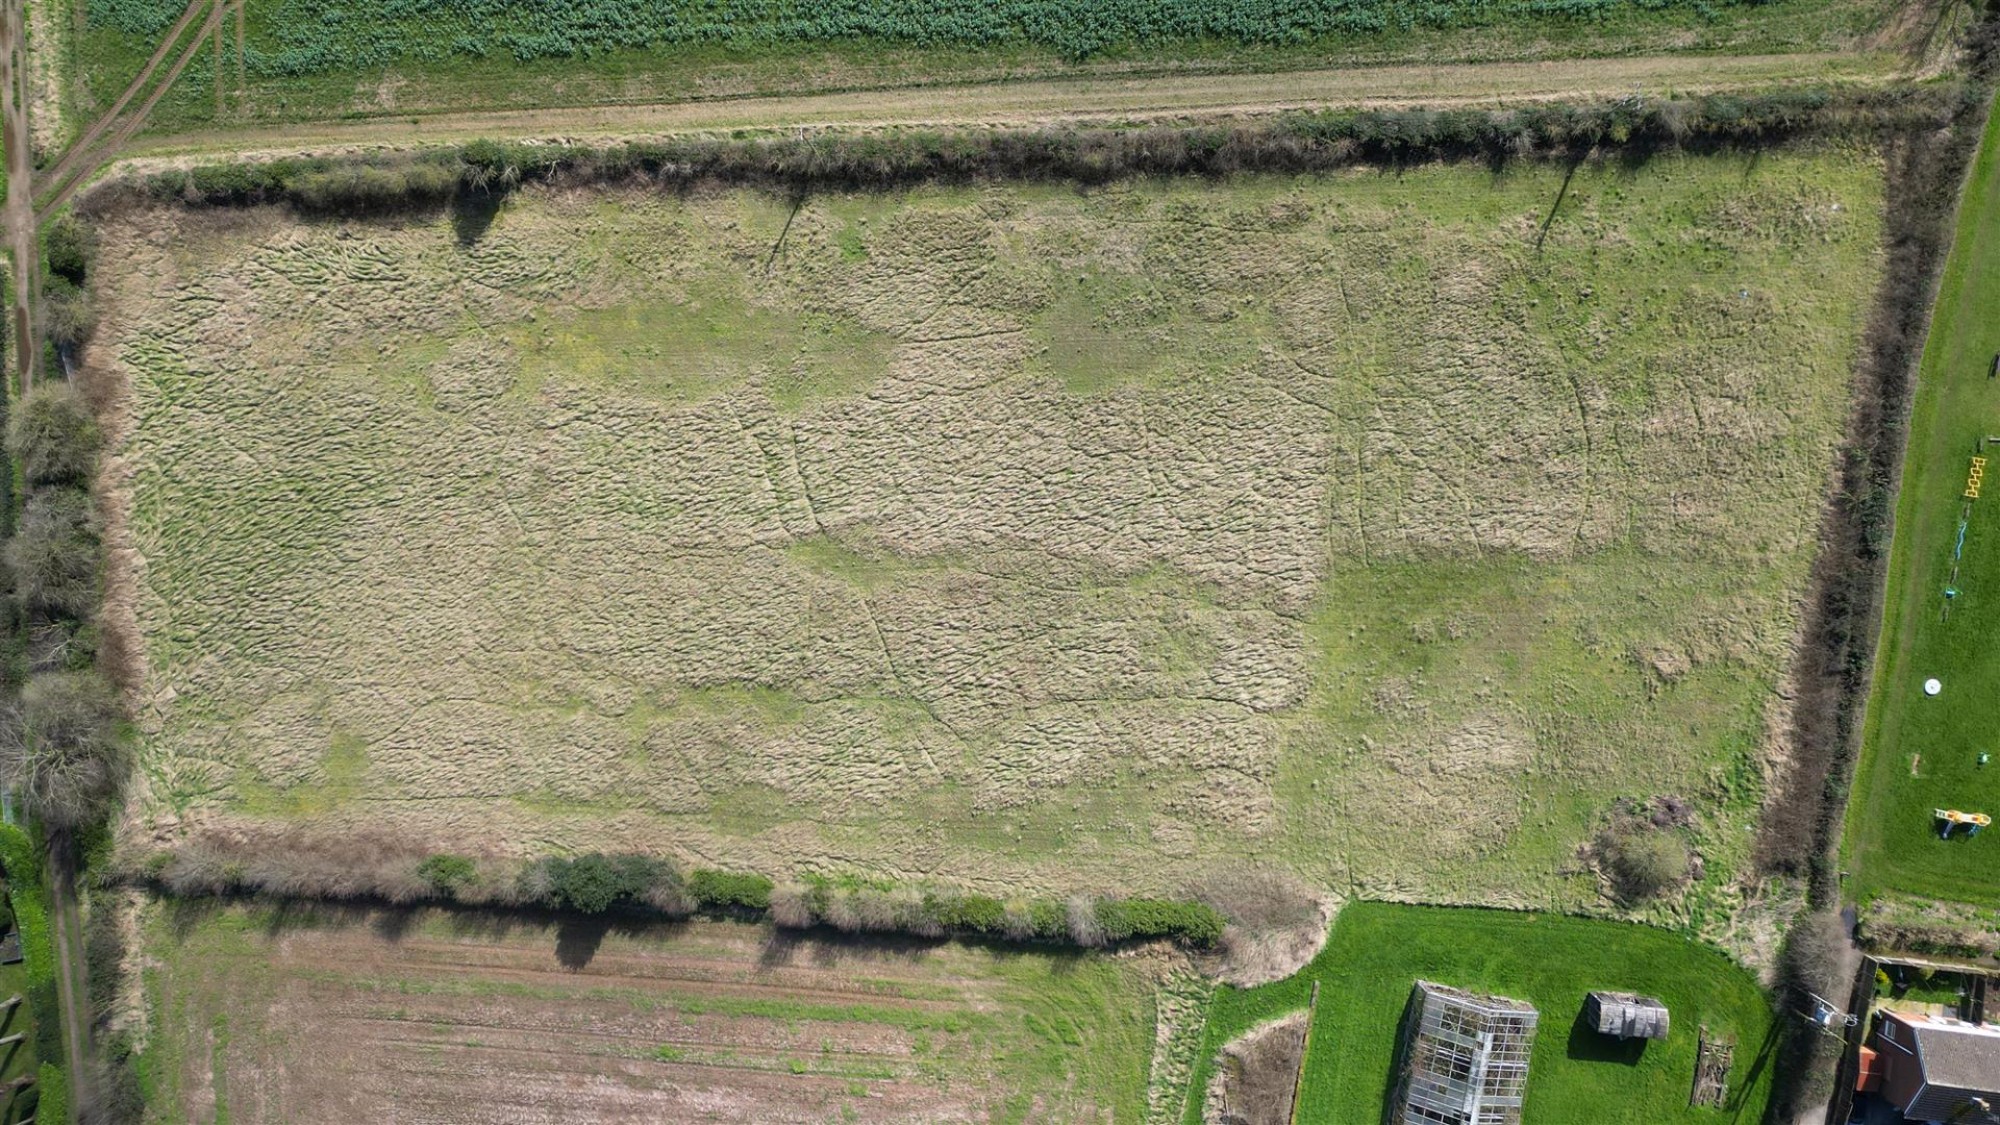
(1021, 537)
(302, 60)
(297, 1016)
(1379, 950)
(1922, 752)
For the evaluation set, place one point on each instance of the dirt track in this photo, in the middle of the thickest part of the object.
(1029, 103)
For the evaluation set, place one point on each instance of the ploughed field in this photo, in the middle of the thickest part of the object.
(283, 1016)
(1386, 527)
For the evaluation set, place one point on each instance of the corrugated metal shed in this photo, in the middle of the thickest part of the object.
(1626, 1015)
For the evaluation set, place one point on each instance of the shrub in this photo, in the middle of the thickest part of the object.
(53, 555)
(720, 890)
(1137, 918)
(966, 913)
(594, 883)
(790, 904)
(1081, 915)
(68, 313)
(1642, 862)
(53, 435)
(67, 245)
(1017, 920)
(60, 750)
(447, 874)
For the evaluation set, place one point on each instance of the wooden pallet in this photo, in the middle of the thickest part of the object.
(1711, 1071)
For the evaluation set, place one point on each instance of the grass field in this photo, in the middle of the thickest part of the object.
(1923, 752)
(1016, 536)
(290, 1017)
(1379, 950)
(314, 60)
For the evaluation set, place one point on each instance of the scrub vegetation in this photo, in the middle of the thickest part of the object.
(1021, 538)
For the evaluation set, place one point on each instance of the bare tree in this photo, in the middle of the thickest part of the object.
(59, 747)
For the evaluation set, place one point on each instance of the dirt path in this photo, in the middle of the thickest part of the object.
(1030, 103)
(19, 214)
(69, 967)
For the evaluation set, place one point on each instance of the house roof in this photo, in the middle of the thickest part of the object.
(1963, 1056)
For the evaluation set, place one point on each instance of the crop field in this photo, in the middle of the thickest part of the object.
(280, 1017)
(1925, 753)
(1384, 528)
(286, 60)
(1379, 950)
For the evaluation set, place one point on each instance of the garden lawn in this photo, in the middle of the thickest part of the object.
(1922, 753)
(1378, 951)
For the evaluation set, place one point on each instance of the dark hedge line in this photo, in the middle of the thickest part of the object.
(1926, 167)
(1288, 143)
(648, 886)
(1801, 832)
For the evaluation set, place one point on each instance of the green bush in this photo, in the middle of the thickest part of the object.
(721, 890)
(447, 874)
(594, 883)
(68, 313)
(53, 436)
(966, 913)
(1138, 918)
(66, 246)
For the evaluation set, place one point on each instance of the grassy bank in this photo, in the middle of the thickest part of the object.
(1378, 950)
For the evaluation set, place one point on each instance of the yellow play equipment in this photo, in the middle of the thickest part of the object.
(1972, 822)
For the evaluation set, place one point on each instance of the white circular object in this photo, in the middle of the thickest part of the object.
(1932, 687)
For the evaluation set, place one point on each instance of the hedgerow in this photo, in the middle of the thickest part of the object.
(1288, 143)
(299, 37)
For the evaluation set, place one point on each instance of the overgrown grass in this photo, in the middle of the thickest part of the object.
(1923, 752)
(1435, 539)
(1377, 952)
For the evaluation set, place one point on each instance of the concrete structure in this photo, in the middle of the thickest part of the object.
(1626, 1015)
(1465, 1059)
(1936, 1068)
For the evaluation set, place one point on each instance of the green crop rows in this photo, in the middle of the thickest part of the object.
(307, 37)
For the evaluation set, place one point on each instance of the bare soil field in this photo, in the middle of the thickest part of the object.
(263, 1016)
(1387, 528)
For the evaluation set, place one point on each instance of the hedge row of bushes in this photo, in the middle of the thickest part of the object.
(60, 749)
(645, 885)
(1295, 142)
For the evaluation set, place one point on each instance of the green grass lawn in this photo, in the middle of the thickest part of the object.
(1378, 950)
(1922, 752)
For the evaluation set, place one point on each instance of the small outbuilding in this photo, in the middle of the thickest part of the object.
(1626, 1015)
